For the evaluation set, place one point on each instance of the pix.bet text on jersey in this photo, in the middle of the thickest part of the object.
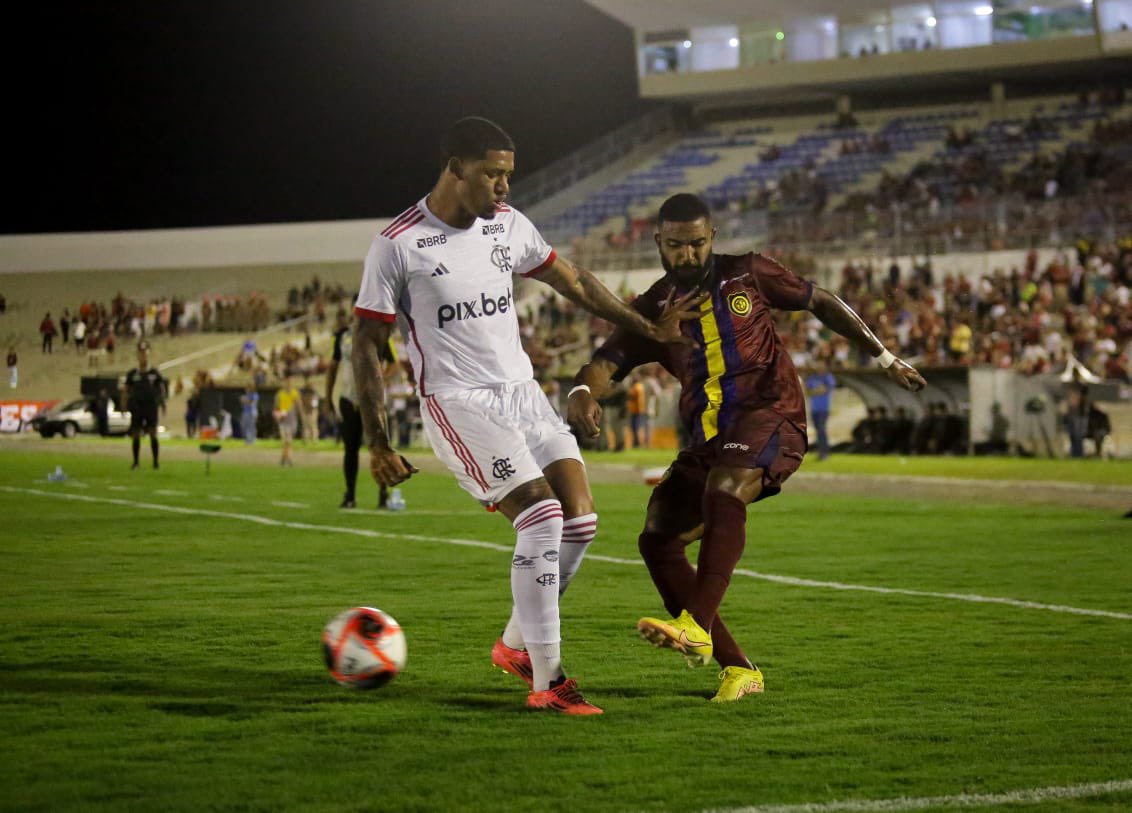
(453, 288)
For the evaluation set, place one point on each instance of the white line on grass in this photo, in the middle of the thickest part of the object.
(939, 480)
(475, 543)
(170, 492)
(977, 599)
(286, 504)
(225, 498)
(1024, 796)
(385, 512)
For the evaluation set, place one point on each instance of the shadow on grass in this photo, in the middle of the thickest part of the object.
(287, 690)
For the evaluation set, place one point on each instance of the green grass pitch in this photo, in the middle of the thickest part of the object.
(159, 650)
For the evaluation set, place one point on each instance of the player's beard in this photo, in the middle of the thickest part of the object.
(686, 276)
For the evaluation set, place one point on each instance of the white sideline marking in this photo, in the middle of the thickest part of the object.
(225, 498)
(1026, 795)
(940, 480)
(476, 543)
(119, 488)
(170, 492)
(286, 504)
(411, 512)
(972, 597)
(260, 520)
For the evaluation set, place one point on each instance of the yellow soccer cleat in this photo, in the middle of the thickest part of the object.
(682, 634)
(736, 682)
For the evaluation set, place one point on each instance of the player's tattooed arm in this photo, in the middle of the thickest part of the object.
(842, 319)
(587, 291)
(387, 466)
(583, 412)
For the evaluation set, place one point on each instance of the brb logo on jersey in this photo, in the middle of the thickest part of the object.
(473, 309)
(431, 240)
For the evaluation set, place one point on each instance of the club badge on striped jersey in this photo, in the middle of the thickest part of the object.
(739, 304)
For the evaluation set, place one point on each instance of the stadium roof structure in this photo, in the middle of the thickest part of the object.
(1029, 66)
(656, 15)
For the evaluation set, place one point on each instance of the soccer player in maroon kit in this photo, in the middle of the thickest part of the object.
(742, 405)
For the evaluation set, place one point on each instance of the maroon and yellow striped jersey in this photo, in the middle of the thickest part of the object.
(741, 363)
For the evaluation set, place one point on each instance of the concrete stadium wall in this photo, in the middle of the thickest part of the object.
(277, 244)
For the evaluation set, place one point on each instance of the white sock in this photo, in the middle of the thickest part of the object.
(512, 635)
(534, 588)
(577, 534)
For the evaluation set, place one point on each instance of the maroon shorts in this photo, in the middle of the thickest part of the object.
(762, 439)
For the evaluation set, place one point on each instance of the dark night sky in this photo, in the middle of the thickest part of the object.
(167, 113)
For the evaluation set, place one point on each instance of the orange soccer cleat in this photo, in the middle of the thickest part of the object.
(515, 661)
(564, 697)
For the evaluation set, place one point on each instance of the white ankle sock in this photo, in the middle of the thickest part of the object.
(577, 534)
(534, 588)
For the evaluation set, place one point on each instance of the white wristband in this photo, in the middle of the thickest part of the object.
(886, 359)
(579, 388)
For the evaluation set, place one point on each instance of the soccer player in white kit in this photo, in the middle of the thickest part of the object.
(443, 268)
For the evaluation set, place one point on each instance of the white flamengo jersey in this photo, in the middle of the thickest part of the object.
(452, 289)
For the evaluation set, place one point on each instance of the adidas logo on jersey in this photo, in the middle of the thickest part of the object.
(473, 309)
(440, 271)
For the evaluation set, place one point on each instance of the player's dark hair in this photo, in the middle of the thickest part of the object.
(471, 138)
(683, 208)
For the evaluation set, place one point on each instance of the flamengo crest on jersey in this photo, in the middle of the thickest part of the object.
(453, 290)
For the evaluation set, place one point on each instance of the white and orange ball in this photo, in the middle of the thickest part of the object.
(364, 648)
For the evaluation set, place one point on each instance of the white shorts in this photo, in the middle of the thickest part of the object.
(495, 439)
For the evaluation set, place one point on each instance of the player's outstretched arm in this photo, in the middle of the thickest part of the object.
(842, 319)
(387, 466)
(583, 412)
(586, 291)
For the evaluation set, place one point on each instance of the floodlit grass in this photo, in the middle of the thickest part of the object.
(161, 660)
(1117, 472)
(1099, 472)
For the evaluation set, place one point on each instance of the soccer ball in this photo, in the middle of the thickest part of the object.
(363, 648)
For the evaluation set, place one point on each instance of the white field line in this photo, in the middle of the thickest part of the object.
(476, 543)
(1059, 485)
(286, 504)
(225, 498)
(413, 512)
(1013, 797)
(170, 492)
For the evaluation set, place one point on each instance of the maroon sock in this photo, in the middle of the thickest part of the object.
(675, 580)
(725, 534)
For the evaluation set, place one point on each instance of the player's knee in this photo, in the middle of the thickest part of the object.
(654, 546)
(742, 484)
(577, 505)
(528, 494)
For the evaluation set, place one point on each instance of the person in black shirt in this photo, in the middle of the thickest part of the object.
(350, 426)
(102, 412)
(143, 393)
